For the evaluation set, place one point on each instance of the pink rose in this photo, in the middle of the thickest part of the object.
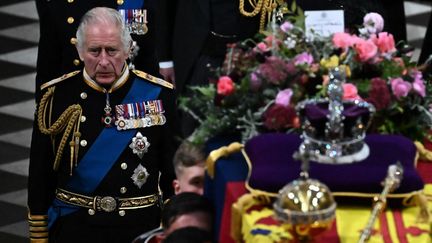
(350, 92)
(225, 86)
(365, 49)
(400, 87)
(373, 22)
(283, 98)
(418, 84)
(342, 40)
(262, 47)
(303, 58)
(385, 42)
(286, 26)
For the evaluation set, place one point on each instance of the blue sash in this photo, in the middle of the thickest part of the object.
(132, 4)
(103, 153)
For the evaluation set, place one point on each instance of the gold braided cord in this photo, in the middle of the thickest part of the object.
(264, 7)
(68, 123)
(257, 8)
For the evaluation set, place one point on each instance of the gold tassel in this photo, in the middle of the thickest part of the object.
(424, 153)
(424, 214)
(220, 152)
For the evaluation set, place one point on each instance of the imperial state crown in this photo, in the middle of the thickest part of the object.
(334, 129)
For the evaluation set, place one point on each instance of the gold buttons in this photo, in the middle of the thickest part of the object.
(83, 119)
(70, 1)
(123, 190)
(76, 62)
(123, 166)
(70, 20)
(91, 211)
(120, 2)
(83, 95)
(122, 213)
(73, 40)
(83, 143)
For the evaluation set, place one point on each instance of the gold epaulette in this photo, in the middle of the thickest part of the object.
(153, 79)
(59, 79)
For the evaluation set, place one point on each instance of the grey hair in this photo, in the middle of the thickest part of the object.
(103, 15)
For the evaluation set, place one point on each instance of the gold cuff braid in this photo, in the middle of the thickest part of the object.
(38, 228)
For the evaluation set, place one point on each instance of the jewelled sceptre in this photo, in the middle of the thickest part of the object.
(391, 183)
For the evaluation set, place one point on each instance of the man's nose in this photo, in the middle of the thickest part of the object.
(103, 58)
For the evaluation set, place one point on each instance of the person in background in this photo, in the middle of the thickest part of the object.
(186, 209)
(59, 21)
(102, 143)
(189, 166)
(189, 235)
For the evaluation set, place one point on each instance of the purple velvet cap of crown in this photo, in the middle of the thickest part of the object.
(316, 114)
(273, 166)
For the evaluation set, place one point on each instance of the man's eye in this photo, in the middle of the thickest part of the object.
(94, 51)
(111, 51)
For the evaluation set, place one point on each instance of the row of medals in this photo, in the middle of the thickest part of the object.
(135, 20)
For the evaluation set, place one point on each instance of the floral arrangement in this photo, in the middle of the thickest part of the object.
(261, 81)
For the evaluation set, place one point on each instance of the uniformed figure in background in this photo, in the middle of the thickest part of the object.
(59, 21)
(102, 143)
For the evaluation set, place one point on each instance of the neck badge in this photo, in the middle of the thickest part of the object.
(139, 145)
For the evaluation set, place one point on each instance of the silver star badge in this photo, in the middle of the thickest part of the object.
(140, 176)
(139, 145)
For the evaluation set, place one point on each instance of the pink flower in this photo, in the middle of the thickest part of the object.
(365, 49)
(373, 22)
(255, 81)
(275, 70)
(303, 58)
(418, 84)
(350, 92)
(385, 42)
(343, 40)
(283, 98)
(286, 26)
(225, 86)
(262, 47)
(400, 87)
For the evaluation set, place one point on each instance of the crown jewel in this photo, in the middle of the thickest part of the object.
(334, 129)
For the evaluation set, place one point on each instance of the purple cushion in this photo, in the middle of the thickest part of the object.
(273, 165)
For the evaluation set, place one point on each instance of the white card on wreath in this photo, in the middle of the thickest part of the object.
(324, 22)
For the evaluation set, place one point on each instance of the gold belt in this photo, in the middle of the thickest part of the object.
(106, 203)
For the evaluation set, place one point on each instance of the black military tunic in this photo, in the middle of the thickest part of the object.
(59, 20)
(94, 224)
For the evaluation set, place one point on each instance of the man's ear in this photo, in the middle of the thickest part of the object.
(176, 186)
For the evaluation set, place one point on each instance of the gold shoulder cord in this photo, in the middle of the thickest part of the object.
(265, 7)
(68, 122)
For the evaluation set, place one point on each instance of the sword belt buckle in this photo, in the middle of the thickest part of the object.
(107, 204)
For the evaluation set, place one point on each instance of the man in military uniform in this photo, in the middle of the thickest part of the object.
(59, 22)
(102, 143)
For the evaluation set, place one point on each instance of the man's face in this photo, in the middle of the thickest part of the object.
(190, 180)
(103, 53)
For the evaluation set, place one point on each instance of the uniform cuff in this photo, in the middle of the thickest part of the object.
(38, 231)
(168, 64)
